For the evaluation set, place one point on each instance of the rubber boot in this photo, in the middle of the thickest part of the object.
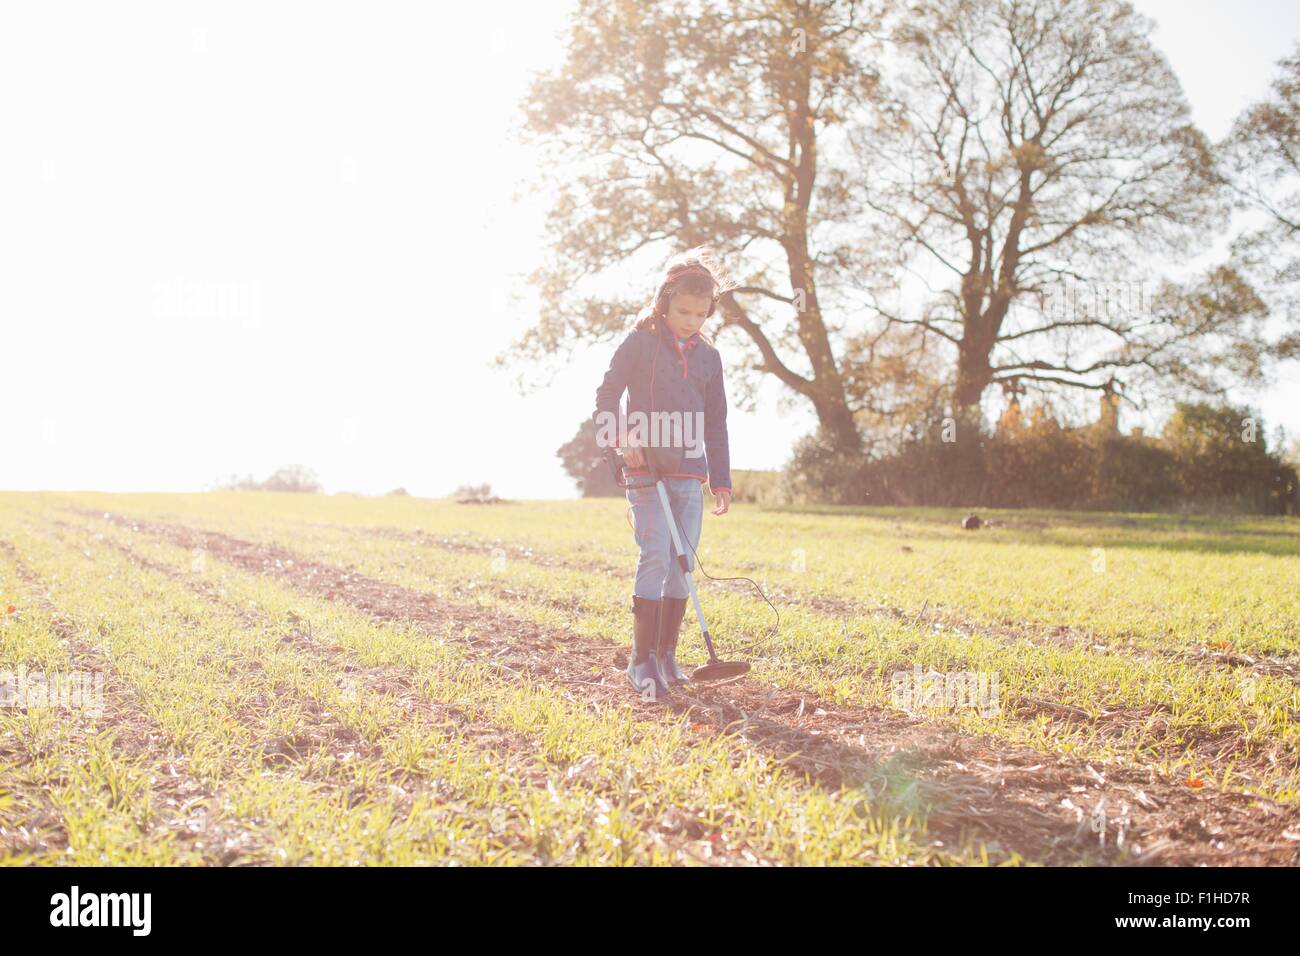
(670, 626)
(642, 664)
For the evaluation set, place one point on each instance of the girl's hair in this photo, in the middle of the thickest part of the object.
(682, 274)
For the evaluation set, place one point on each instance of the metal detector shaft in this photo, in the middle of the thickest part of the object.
(685, 565)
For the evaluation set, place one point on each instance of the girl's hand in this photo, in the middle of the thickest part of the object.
(633, 457)
(723, 497)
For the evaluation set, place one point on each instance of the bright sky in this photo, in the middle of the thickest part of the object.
(246, 235)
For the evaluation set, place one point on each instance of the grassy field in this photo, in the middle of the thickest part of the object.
(297, 679)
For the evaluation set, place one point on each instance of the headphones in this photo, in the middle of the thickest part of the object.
(661, 297)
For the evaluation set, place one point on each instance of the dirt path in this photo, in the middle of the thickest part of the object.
(515, 748)
(1228, 746)
(1286, 667)
(197, 811)
(1046, 808)
(380, 680)
(183, 801)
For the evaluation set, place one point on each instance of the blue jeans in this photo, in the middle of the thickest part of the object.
(658, 574)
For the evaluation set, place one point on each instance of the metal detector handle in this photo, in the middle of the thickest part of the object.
(616, 467)
(685, 564)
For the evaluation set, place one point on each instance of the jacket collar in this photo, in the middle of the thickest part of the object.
(671, 337)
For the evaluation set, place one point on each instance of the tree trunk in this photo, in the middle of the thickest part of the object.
(837, 421)
(974, 373)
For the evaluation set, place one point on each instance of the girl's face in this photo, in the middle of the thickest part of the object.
(686, 313)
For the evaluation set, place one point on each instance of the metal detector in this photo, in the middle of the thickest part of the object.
(660, 462)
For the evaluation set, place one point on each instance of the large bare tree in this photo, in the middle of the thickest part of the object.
(1036, 161)
(1262, 165)
(680, 128)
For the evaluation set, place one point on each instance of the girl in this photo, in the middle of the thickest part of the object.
(668, 366)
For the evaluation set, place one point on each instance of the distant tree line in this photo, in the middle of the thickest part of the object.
(1206, 459)
(293, 478)
(298, 479)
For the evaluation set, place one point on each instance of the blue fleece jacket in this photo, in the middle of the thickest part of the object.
(675, 375)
